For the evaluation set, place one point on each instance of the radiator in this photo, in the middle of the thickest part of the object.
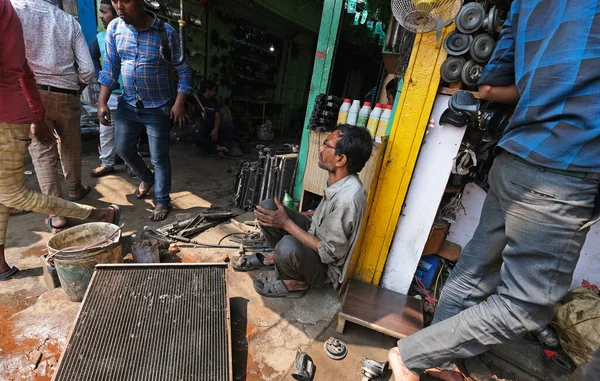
(151, 322)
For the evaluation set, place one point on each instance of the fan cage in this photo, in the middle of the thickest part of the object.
(421, 16)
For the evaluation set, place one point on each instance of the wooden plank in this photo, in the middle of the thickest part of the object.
(382, 310)
(452, 91)
(421, 82)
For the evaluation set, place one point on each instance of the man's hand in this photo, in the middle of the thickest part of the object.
(43, 133)
(273, 218)
(178, 113)
(104, 115)
(214, 134)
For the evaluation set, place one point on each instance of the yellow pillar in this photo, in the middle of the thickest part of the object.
(421, 82)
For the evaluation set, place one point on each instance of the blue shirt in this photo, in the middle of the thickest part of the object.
(136, 55)
(551, 50)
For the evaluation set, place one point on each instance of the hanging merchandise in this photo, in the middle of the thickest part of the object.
(363, 115)
(365, 14)
(353, 113)
(382, 39)
(371, 26)
(382, 126)
(351, 6)
(379, 27)
(374, 119)
(356, 18)
(343, 114)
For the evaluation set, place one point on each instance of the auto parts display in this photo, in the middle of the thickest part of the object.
(470, 18)
(457, 43)
(452, 68)
(471, 73)
(482, 47)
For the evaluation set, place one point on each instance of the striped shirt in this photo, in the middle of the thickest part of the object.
(136, 56)
(551, 50)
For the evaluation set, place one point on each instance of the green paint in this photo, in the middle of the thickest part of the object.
(396, 101)
(326, 44)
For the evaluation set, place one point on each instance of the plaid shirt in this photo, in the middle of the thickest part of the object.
(551, 50)
(136, 55)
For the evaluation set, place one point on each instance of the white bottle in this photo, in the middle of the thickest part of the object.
(353, 113)
(374, 119)
(343, 113)
(382, 126)
(363, 115)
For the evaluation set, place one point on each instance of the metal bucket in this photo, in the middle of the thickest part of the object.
(77, 250)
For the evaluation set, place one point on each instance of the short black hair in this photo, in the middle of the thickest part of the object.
(109, 2)
(207, 84)
(392, 86)
(356, 144)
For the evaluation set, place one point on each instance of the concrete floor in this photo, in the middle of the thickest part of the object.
(34, 322)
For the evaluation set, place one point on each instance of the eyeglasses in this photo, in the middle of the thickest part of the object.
(326, 144)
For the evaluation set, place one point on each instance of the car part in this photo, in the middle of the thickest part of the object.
(465, 101)
(452, 68)
(482, 47)
(304, 368)
(492, 21)
(457, 43)
(335, 348)
(471, 73)
(371, 368)
(152, 4)
(470, 18)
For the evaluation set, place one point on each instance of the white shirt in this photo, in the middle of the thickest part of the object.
(55, 46)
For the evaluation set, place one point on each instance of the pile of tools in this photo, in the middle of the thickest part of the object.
(268, 177)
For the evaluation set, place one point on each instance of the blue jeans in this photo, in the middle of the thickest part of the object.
(518, 264)
(129, 122)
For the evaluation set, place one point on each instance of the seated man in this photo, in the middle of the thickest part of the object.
(314, 251)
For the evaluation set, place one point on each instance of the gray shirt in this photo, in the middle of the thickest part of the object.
(336, 223)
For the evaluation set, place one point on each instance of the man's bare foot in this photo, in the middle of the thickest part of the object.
(268, 261)
(446, 375)
(295, 285)
(221, 149)
(401, 372)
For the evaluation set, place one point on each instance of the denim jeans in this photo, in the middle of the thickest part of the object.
(108, 150)
(518, 264)
(129, 122)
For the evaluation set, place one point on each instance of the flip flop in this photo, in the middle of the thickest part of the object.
(274, 288)
(84, 190)
(117, 216)
(52, 228)
(156, 212)
(251, 262)
(8, 274)
(142, 194)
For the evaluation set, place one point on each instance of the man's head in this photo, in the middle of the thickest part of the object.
(390, 90)
(129, 10)
(107, 12)
(209, 89)
(348, 148)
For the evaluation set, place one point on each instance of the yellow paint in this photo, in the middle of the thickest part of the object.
(421, 82)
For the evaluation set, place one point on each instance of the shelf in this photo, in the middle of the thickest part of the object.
(451, 91)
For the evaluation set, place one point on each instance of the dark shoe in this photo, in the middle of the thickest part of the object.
(160, 214)
(101, 171)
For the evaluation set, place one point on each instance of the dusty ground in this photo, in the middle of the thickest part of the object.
(34, 322)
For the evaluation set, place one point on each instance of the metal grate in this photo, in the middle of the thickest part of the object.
(151, 323)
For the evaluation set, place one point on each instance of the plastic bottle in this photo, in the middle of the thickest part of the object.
(363, 115)
(353, 113)
(374, 118)
(288, 200)
(343, 114)
(382, 126)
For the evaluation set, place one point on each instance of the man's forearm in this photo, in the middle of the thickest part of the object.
(105, 92)
(303, 236)
(503, 94)
(217, 120)
(180, 99)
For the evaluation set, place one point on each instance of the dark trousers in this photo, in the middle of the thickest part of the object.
(294, 260)
(203, 139)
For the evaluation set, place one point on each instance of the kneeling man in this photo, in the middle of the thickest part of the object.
(313, 251)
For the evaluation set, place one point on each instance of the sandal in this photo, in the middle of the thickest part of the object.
(160, 214)
(102, 170)
(141, 193)
(83, 191)
(251, 262)
(117, 216)
(275, 288)
(53, 228)
(8, 274)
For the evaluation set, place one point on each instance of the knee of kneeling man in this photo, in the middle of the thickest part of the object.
(268, 204)
(287, 247)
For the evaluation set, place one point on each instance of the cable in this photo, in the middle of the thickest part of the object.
(225, 236)
(432, 301)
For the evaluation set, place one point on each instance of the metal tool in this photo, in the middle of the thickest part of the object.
(187, 240)
(304, 368)
(335, 348)
(371, 368)
(197, 224)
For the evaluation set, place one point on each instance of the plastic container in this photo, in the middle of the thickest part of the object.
(382, 126)
(75, 262)
(353, 113)
(427, 269)
(374, 118)
(363, 115)
(288, 201)
(343, 113)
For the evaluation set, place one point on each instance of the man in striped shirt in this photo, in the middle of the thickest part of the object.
(134, 43)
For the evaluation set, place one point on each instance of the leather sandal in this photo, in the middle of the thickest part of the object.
(83, 191)
(102, 170)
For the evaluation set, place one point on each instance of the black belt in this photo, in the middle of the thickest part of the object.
(57, 90)
(581, 175)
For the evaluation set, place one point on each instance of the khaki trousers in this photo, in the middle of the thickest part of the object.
(13, 194)
(63, 113)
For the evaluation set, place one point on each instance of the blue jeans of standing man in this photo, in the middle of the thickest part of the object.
(518, 264)
(129, 122)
